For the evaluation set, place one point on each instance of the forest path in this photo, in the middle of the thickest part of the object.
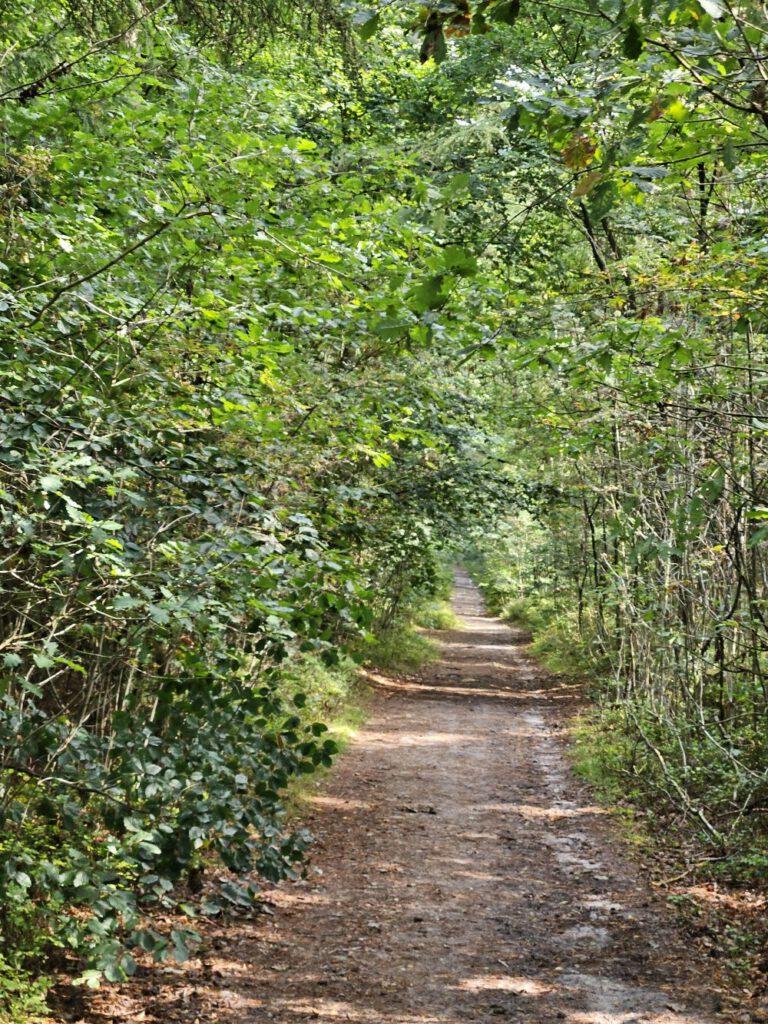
(461, 874)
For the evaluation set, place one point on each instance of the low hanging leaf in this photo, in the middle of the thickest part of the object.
(433, 44)
(440, 48)
(730, 158)
(459, 260)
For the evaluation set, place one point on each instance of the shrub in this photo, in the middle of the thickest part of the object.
(399, 649)
(435, 614)
(123, 816)
(22, 997)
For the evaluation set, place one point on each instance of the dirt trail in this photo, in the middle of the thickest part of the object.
(461, 874)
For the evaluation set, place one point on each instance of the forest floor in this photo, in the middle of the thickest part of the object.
(461, 873)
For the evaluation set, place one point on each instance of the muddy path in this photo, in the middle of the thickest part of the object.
(461, 874)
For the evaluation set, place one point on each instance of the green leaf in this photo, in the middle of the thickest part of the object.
(429, 294)
(712, 8)
(51, 482)
(457, 184)
(758, 536)
(459, 260)
(113, 971)
(440, 48)
(633, 41)
(366, 23)
(391, 328)
(180, 948)
(89, 979)
(730, 158)
(506, 12)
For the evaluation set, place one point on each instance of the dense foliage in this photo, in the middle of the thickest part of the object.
(287, 308)
(631, 239)
(225, 449)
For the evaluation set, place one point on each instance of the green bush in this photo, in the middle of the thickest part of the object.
(556, 639)
(399, 649)
(123, 817)
(604, 754)
(22, 997)
(328, 688)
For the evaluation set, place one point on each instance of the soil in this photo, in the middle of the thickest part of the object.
(461, 873)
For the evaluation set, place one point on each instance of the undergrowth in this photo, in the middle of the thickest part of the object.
(633, 787)
(327, 688)
(22, 997)
(400, 645)
(336, 693)
(436, 613)
(556, 640)
(681, 781)
(401, 648)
